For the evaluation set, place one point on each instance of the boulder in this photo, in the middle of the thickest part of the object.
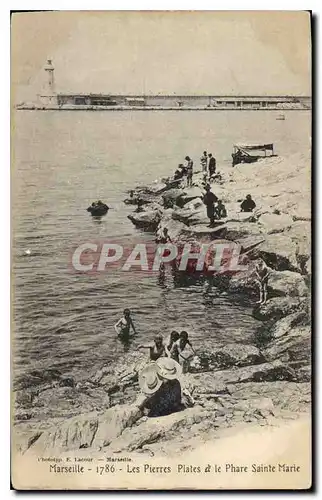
(190, 216)
(156, 188)
(276, 308)
(237, 355)
(67, 401)
(113, 422)
(285, 325)
(279, 252)
(205, 384)
(292, 346)
(173, 183)
(273, 223)
(171, 197)
(288, 283)
(36, 378)
(230, 355)
(190, 194)
(176, 229)
(304, 373)
(300, 233)
(155, 429)
(308, 267)
(235, 216)
(257, 373)
(75, 433)
(148, 220)
(264, 406)
(206, 233)
(250, 243)
(234, 230)
(194, 204)
(285, 395)
(244, 281)
(87, 430)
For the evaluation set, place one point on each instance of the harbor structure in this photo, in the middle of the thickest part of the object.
(51, 99)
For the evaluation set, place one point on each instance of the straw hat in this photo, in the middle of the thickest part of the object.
(168, 368)
(149, 381)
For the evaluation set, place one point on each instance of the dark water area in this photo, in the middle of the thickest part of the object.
(65, 160)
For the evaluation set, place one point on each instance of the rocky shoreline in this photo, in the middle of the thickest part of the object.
(231, 385)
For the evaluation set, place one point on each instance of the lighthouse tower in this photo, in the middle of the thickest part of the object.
(49, 69)
(48, 95)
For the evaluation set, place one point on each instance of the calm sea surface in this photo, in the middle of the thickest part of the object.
(65, 160)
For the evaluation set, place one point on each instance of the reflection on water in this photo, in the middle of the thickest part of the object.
(62, 162)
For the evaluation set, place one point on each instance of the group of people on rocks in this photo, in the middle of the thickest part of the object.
(185, 169)
(177, 346)
(208, 164)
(216, 209)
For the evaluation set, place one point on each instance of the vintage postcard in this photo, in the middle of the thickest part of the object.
(161, 250)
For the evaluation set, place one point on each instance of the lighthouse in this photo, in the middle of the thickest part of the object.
(48, 95)
(49, 69)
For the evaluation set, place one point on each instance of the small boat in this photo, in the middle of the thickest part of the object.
(98, 209)
(250, 153)
(280, 117)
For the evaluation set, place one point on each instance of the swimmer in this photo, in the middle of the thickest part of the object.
(124, 325)
(157, 350)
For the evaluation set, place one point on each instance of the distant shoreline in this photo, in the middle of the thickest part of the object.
(149, 108)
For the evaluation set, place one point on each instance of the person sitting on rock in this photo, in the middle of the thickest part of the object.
(140, 206)
(182, 351)
(160, 388)
(262, 274)
(178, 173)
(157, 350)
(209, 200)
(220, 210)
(164, 237)
(124, 325)
(248, 204)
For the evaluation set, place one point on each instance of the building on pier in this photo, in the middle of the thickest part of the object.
(51, 98)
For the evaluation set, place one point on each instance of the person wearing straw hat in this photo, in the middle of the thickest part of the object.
(149, 380)
(160, 384)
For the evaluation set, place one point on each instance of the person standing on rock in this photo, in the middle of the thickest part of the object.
(189, 170)
(211, 165)
(262, 274)
(209, 200)
(204, 161)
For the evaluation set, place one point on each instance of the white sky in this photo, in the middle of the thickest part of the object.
(151, 52)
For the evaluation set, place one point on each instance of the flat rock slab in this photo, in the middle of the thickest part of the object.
(155, 429)
(291, 347)
(277, 308)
